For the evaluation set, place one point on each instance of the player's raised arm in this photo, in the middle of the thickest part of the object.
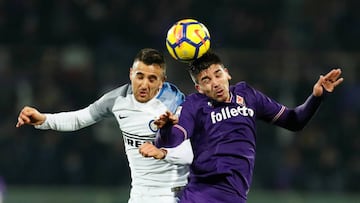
(30, 116)
(296, 119)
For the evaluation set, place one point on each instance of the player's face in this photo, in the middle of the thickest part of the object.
(146, 80)
(214, 83)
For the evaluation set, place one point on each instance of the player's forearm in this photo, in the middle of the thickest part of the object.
(296, 119)
(67, 121)
(181, 154)
(170, 136)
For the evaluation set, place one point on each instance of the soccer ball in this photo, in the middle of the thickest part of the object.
(187, 40)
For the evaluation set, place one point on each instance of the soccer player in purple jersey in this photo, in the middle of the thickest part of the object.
(220, 121)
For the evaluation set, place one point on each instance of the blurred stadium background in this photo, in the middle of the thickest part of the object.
(62, 55)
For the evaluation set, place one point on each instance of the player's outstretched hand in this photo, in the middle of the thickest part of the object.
(30, 116)
(166, 118)
(328, 82)
(149, 150)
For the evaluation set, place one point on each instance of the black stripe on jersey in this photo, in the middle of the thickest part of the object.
(138, 137)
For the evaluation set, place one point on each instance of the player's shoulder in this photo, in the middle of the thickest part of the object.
(107, 101)
(196, 98)
(118, 92)
(170, 91)
(241, 87)
(171, 96)
(170, 88)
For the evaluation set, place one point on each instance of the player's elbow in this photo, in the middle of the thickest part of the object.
(296, 128)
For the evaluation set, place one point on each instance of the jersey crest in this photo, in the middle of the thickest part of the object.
(152, 126)
(240, 100)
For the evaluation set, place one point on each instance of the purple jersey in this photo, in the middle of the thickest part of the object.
(223, 137)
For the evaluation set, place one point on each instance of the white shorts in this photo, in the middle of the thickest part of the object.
(153, 195)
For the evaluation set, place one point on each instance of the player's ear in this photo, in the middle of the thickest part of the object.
(163, 79)
(228, 74)
(198, 88)
(130, 73)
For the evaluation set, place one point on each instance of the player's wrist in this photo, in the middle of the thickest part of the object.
(164, 153)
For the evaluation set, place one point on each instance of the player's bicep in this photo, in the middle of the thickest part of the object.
(268, 109)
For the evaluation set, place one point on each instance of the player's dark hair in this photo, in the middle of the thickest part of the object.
(151, 56)
(202, 63)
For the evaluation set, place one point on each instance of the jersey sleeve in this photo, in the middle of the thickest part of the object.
(296, 118)
(267, 109)
(67, 121)
(293, 119)
(181, 154)
(75, 120)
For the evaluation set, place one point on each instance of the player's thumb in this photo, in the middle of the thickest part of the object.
(321, 79)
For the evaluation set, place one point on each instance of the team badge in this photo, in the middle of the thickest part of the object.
(240, 100)
(152, 126)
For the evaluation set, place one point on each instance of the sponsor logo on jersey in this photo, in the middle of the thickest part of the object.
(122, 117)
(229, 112)
(135, 142)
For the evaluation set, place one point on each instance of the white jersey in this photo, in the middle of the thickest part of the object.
(135, 121)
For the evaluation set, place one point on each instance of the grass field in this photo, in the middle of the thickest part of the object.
(120, 195)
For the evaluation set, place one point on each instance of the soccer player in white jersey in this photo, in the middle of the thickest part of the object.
(135, 106)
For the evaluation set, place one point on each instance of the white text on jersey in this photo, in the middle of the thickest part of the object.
(227, 112)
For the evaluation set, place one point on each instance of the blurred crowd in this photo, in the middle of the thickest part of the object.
(62, 55)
